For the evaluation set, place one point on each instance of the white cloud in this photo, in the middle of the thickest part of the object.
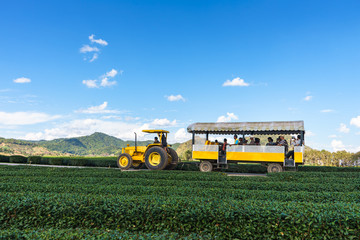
(82, 127)
(235, 82)
(308, 98)
(343, 128)
(227, 118)
(97, 109)
(182, 135)
(355, 121)
(104, 80)
(163, 122)
(95, 56)
(25, 118)
(327, 110)
(98, 41)
(22, 80)
(90, 83)
(87, 48)
(106, 83)
(112, 117)
(112, 73)
(173, 98)
(129, 118)
(333, 136)
(337, 145)
(310, 133)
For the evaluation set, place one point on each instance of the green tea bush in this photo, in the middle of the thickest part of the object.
(56, 161)
(226, 218)
(327, 169)
(46, 203)
(18, 159)
(247, 168)
(103, 163)
(78, 162)
(4, 158)
(34, 159)
(53, 233)
(45, 160)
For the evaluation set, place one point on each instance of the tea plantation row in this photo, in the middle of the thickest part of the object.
(82, 203)
(110, 162)
(92, 234)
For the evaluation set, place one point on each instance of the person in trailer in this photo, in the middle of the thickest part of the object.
(296, 142)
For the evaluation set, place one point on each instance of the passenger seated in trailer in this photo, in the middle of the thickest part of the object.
(252, 141)
(296, 142)
(270, 142)
(236, 140)
(292, 141)
(284, 143)
(216, 142)
(257, 141)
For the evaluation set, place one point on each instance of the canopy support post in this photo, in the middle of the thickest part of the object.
(302, 138)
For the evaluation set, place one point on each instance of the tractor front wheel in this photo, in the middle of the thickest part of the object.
(156, 158)
(174, 161)
(124, 161)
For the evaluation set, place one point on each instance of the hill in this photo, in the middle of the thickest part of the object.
(96, 144)
(21, 147)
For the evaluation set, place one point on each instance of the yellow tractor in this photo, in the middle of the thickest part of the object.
(156, 156)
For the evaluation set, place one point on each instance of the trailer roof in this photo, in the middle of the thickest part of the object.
(278, 127)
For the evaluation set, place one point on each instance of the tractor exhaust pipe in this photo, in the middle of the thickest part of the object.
(135, 142)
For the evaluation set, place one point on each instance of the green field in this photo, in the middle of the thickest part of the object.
(52, 203)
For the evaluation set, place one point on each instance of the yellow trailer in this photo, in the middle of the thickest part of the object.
(273, 157)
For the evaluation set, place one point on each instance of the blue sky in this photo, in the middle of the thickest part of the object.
(70, 68)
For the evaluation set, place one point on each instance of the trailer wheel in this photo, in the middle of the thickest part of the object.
(124, 161)
(206, 166)
(274, 167)
(156, 158)
(174, 161)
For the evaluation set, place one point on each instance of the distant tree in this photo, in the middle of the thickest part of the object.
(188, 155)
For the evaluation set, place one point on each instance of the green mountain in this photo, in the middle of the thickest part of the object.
(97, 144)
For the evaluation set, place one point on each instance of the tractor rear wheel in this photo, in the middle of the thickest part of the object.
(206, 166)
(124, 161)
(156, 158)
(137, 165)
(174, 161)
